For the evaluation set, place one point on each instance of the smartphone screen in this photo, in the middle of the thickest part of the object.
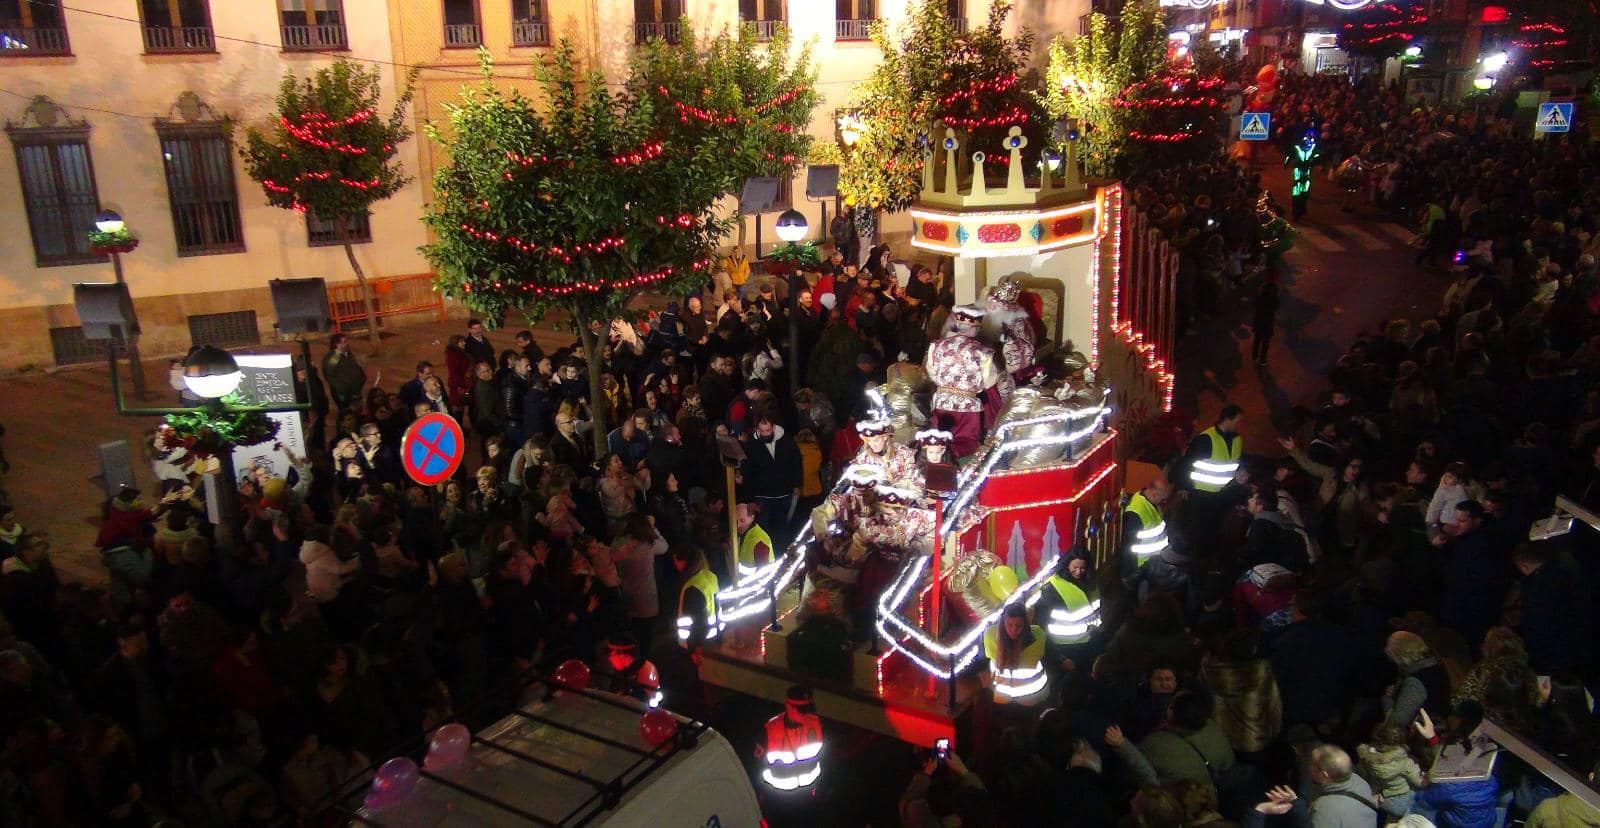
(941, 747)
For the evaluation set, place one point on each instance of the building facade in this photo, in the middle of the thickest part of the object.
(139, 108)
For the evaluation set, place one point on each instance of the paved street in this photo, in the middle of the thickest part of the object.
(1351, 271)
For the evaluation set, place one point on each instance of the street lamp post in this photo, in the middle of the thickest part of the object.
(109, 221)
(791, 227)
(211, 374)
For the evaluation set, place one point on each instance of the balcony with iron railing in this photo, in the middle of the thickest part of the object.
(530, 33)
(33, 40)
(763, 29)
(852, 30)
(959, 24)
(177, 39)
(312, 38)
(668, 30)
(462, 36)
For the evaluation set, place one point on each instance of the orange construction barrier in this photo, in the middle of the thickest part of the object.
(391, 296)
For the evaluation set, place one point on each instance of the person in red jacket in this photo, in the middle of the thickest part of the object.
(794, 744)
(125, 518)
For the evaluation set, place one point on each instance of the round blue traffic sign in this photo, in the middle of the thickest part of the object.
(432, 448)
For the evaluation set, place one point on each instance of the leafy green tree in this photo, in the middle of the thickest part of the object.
(1087, 75)
(332, 154)
(700, 87)
(578, 205)
(933, 72)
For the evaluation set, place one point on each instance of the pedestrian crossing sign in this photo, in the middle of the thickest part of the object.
(1254, 126)
(1554, 117)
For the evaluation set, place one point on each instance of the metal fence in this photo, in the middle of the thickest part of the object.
(852, 29)
(46, 40)
(462, 35)
(530, 33)
(763, 29)
(391, 296)
(179, 39)
(322, 36)
(1147, 296)
(669, 31)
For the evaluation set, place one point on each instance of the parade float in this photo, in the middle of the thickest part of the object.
(1087, 373)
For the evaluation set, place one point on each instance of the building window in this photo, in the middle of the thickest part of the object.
(462, 29)
(321, 232)
(32, 27)
(58, 192)
(854, 19)
(762, 17)
(312, 25)
(657, 19)
(529, 26)
(200, 186)
(957, 12)
(176, 26)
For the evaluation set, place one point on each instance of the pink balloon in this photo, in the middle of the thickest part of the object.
(572, 674)
(393, 783)
(657, 727)
(448, 746)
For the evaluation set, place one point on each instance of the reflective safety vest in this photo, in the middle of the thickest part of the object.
(1151, 538)
(753, 537)
(1026, 682)
(1076, 618)
(706, 581)
(794, 751)
(1211, 474)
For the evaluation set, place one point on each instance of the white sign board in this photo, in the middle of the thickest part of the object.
(269, 380)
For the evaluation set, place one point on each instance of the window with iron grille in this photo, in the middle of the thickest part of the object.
(201, 189)
(58, 192)
(956, 10)
(529, 26)
(312, 25)
(321, 232)
(32, 27)
(754, 10)
(462, 29)
(853, 19)
(658, 19)
(177, 26)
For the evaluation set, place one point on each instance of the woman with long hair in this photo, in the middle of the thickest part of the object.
(1015, 649)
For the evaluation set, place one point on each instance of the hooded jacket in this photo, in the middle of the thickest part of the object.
(1564, 811)
(1389, 769)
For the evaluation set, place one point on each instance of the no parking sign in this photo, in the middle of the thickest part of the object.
(432, 448)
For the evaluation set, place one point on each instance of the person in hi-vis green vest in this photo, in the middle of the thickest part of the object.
(1209, 471)
(1069, 609)
(1144, 529)
(755, 545)
(698, 621)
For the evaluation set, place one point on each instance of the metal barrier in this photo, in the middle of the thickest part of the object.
(1148, 295)
(391, 296)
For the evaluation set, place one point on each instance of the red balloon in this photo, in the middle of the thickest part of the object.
(572, 674)
(657, 727)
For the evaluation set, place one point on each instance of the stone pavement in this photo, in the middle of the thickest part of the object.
(1351, 272)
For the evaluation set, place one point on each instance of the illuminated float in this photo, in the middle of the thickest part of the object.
(1047, 476)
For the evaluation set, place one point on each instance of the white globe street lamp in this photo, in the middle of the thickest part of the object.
(109, 221)
(792, 225)
(211, 372)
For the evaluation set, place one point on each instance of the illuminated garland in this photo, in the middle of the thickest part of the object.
(1015, 116)
(313, 124)
(1160, 137)
(711, 116)
(994, 87)
(600, 284)
(565, 254)
(1167, 103)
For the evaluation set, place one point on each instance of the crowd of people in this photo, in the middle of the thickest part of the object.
(1315, 633)
(1359, 602)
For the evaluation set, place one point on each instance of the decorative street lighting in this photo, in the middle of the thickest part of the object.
(111, 237)
(211, 372)
(791, 228)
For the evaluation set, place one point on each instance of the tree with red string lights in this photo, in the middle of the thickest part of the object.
(580, 203)
(1177, 116)
(332, 154)
(1384, 30)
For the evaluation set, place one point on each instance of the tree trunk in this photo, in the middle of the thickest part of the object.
(343, 225)
(598, 426)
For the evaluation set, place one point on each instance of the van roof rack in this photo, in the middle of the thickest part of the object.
(629, 765)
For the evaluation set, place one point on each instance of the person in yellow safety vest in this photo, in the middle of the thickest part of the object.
(755, 545)
(1015, 649)
(697, 601)
(1069, 605)
(1144, 529)
(1207, 471)
(1213, 456)
(794, 743)
(632, 675)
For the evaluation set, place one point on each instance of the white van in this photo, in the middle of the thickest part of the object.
(577, 759)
